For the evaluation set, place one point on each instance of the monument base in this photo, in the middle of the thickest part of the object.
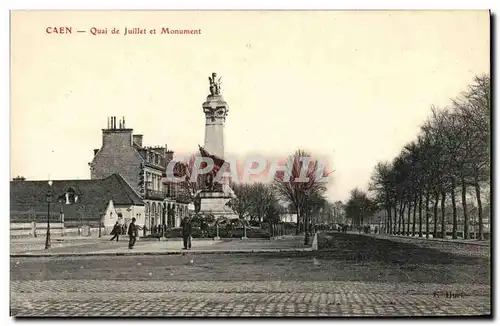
(215, 203)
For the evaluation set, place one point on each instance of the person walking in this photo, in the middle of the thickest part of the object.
(132, 233)
(116, 231)
(186, 232)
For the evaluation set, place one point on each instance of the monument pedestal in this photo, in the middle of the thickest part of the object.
(215, 203)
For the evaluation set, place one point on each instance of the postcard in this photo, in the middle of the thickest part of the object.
(250, 163)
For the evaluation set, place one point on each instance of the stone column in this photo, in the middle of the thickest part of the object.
(215, 109)
(33, 229)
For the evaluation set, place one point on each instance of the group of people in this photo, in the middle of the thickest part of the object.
(133, 231)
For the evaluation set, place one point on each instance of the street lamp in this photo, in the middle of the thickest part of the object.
(244, 230)
(49, 199)
(100, 222)
(217, 229)
(62, 219)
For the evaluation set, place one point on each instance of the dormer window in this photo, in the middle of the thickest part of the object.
(71, 196)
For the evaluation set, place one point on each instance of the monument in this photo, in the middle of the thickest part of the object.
(214, 196)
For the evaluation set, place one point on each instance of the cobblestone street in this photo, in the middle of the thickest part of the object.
(323, 283)
(258, 298)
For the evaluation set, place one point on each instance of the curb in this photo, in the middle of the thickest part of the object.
(426, 239)
(163, 253)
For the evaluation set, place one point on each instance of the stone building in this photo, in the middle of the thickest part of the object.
(143, 168)
(76, 203)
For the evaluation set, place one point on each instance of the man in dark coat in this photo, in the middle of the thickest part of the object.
(186, 232)
(132, 233)
(116, 231)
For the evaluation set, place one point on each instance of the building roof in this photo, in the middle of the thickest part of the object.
(143, 152)
(93, 195)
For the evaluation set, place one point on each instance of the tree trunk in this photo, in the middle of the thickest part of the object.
(403, 219)
(400, 217)
(389, 220)
(408, 219)
(297, 227)
(414, 216)
(443, 215)
(306, 229)
(427, 213)
(479, 209)
(395, 218)
(454, 208)
(436, 202)
(464, 207)
(420, 215)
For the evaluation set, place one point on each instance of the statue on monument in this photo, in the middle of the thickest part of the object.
(214, 84)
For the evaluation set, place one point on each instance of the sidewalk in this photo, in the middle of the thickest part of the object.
(104, 247)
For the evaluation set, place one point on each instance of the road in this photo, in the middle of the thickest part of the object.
(354, 276)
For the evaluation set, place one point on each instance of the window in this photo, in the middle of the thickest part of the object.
(71, 196)
(148, 180)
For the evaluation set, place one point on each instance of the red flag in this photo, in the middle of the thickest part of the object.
(218, 162)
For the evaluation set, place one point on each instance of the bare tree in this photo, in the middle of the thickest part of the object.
(299, 192)
(451, 152)
(242, 203)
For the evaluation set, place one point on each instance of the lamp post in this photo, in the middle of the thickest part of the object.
(49, 199)
(100, 223)
(244, 230)
(217, 229)
(62, 220)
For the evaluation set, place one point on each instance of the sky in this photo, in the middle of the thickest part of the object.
(350, 86)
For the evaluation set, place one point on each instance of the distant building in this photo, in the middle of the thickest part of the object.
(288, 217)
(288, 214)
(76, 202)
(143, 168)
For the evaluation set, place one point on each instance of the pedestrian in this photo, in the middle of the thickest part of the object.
(203, 227)
(186, 232)
(116, 231)
(132, 233)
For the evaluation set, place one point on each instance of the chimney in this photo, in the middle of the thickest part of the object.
(114, 122)
(123, 122)
(138, 140)
(109, 123)
(95, 151)
(169, 155)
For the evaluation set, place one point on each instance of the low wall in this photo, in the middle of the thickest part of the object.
(56, 229)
